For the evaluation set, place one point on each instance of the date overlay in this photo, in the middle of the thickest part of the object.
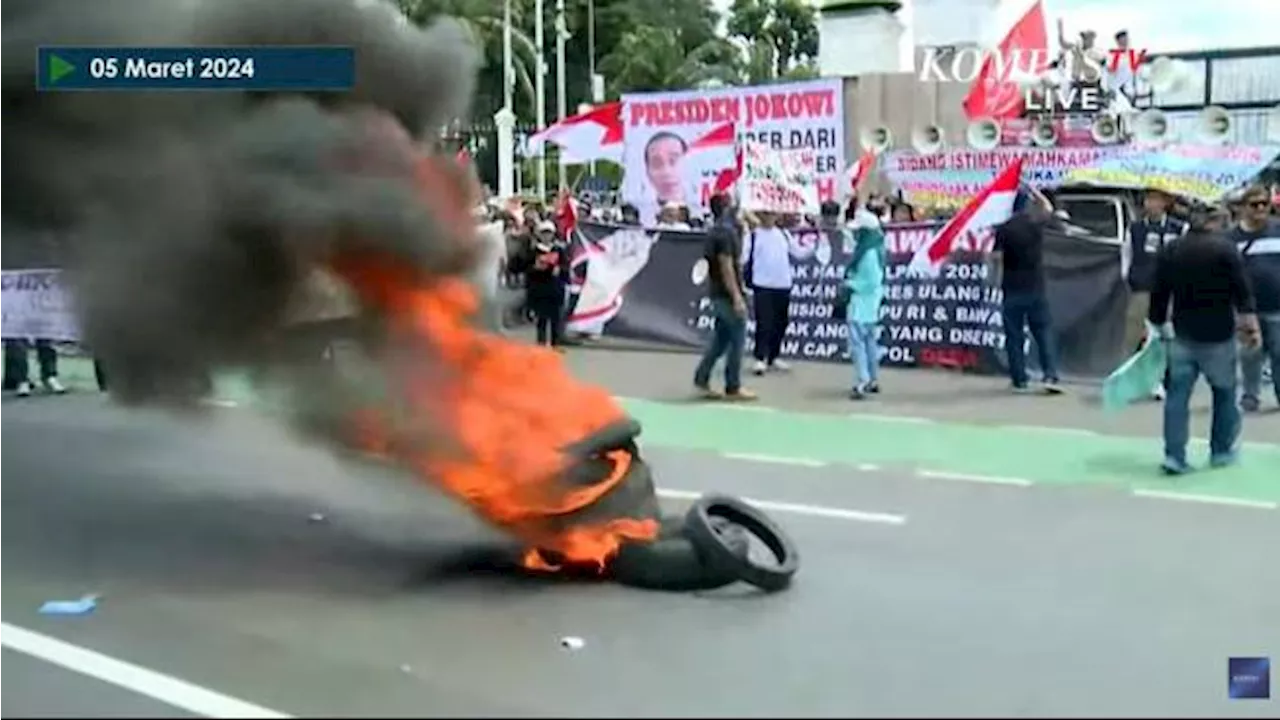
(261, 69)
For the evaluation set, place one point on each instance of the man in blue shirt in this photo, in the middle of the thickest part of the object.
(1147, 237)
(1257, 237)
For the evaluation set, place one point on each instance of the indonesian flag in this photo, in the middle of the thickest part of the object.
(593, 135)
(717, 150)
(989, 208)
(566, 215)
(994, 94)
(858, 172)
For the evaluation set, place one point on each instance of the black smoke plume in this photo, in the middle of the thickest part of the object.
(190, 224)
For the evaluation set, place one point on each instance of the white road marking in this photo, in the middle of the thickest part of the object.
(799, 509)
(775, 459)
(1057, 429)
(168, 690)
(219, 402)
(892, 418)
(988, 479)
(868, 467)
(1206, 499)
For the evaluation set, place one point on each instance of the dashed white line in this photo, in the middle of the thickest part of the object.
(800, 509)
(988, 479)
(774, 459)
(1206, 499)
(219, 402)
(892, 418)
(168, 690)
(868, 467)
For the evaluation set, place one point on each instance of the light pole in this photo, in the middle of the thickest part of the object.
(541, 105)
(562, 34)
(591, 63)
(505, 119)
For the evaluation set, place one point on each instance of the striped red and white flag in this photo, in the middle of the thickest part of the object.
(858, 173)
(990, 207)
(593, 135)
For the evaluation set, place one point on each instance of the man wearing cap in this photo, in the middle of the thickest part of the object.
(545, 267)
(1147, 237)
(1257, 237)
(1203, 277)
(671, 218)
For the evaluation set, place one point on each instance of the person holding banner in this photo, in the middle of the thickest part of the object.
(728, 303)
(768, 272)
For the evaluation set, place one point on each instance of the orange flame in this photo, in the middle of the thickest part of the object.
(507, 410)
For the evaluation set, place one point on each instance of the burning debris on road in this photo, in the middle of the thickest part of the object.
(194, 225)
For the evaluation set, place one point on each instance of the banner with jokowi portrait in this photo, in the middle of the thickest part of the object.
(670, 155)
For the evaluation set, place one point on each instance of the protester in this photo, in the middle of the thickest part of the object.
(728, 304)
(1257, 237)
(1147, 237)
(544, 266)
(17, 366)
(767, 268)
(1204, 277)
(1017, 265)
(864, 277)
(671, 218)
(901, 212)
(630, 214)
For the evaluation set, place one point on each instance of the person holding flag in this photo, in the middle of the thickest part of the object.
(1017, 265)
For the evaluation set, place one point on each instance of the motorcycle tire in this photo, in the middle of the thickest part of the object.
(700, 526)
(672, 562)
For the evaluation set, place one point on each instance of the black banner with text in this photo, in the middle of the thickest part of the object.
(651, 285)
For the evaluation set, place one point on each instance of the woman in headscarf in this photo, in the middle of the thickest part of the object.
(864, 277)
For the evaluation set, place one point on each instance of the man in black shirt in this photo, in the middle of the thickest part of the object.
(1018, 265)
(728, 304)
(1257, 237)
(1147, 236)
(1204, 278)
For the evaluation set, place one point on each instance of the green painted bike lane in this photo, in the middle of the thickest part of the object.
(1038, 455)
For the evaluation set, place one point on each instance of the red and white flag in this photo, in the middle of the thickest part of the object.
(566, 214)
(994, 93)
(727, 178)
(716, 151)
(858, 173)
(593, 135)
(992, 206)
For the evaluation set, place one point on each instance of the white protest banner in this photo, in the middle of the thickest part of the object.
(35, 305)
(660, 128)
(781, 181)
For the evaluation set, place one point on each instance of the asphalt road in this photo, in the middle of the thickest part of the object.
(916, 597)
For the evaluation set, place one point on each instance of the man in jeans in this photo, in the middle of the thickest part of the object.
(1017, 264)
(1204, 277)
(1257, 237)
(728, 304)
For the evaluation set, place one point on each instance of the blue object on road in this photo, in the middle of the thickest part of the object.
(1136, 377)
(83, 606)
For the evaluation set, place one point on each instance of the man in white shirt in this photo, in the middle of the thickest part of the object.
(766, 261)
(669, 218)
(1122, 80)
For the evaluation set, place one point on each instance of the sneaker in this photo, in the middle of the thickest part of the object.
(1053, 386)
(1158, 394)
(1172, 466)
(759, 368)
(1226, 459)
(1021, 389)
(705, 392)
(857, 394)
(1249, 403)
(24, 389)
(54, 385)
(741, 395)
(781, 365)
(872, 389)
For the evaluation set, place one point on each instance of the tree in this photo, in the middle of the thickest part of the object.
(484, 21)
(780, 38)
(654, 58)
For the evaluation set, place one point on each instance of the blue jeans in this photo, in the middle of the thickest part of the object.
(728, 339)
(1187, 361)
(1023, 311)
(1251, 361)
(864, 350)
